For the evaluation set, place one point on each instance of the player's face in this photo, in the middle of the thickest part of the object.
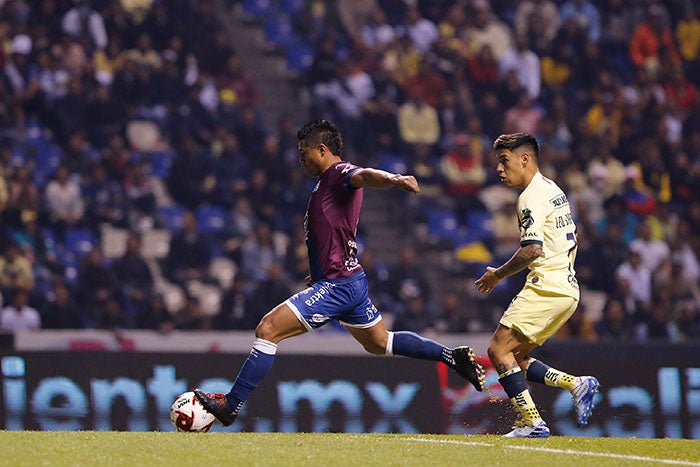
(511, 168)
(310, 159)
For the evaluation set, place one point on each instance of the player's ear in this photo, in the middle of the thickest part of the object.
(524, 158)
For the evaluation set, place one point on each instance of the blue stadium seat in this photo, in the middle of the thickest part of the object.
(394, 163)
(161, 162)
(47, 159)
(443, 224)
(79, 241)
(257, 8)
(210, 219)
(171, 217)
(300, 57)
(290, 7)
(479, 226)
(279, 31)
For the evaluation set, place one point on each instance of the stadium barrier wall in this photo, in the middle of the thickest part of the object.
(650, 390)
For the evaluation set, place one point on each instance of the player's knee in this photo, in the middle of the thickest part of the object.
(375, 348)
(264, 330)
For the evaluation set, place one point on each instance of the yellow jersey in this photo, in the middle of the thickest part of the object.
(544, 217)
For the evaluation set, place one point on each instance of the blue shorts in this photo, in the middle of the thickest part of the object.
(346, 300)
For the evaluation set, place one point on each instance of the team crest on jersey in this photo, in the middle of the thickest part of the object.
(526, 219)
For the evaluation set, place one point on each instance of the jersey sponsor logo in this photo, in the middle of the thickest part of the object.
(317, 295)
(559, 200)
(526, 219)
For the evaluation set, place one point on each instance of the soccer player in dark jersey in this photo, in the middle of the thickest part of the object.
(337, 284)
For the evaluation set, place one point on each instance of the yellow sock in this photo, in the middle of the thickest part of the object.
(554, 377)
(526, 406)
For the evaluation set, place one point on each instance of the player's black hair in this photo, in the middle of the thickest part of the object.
(322, 132)
(513, 141)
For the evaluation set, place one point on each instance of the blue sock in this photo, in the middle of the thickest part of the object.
(513, 384)
(255, 368)
(410, 344)
(536, 371)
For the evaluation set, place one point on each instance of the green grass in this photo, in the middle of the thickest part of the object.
(28, 448)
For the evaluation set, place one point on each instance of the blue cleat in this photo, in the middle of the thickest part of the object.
(521, 430)
(583, 396)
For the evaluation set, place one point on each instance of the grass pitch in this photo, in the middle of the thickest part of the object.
(20, 448)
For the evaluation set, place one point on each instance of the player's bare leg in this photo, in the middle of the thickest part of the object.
(279, 324)
(378, 341)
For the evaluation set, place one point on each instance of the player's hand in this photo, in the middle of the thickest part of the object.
(487, 282)
(406, 183)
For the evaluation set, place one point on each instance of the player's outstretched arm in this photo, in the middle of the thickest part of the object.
(377, 178)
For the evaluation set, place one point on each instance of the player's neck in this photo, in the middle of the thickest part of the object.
(529, 175)
(329, 162)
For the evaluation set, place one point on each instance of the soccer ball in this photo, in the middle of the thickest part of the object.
(188, 414)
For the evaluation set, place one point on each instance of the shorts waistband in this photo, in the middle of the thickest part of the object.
(344, 280)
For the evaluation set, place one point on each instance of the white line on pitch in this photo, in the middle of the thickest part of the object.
(558, 451)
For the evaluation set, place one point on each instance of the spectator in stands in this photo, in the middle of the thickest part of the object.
(615, 324)
(259, 253)
(427, 83)
(23, 195)
(634, 285)
(64, 201)
(414, 313)
(18, 316)
(37, 246)
(61, 311)
(407, 277)
(238, 309)
(687, 34)
(463, 173)
(156, 316)
(579, 327)
(538, 21)
(585, 14)
(140, 194)
(191, 181)
(654, 252)
(86, 25)
(15, 271)
(105, 201)
(421, 30)
(418, 122)
(189, 254)
(381, 125)
(452, 317)
(650, 38)
(687, 320)
(96, 285)
(524, 116)
(192, 317)
(110, 315)
(271, 291)
(526, 65)
(487, 29)
(134, 276)
(237, 79)
(377, 33)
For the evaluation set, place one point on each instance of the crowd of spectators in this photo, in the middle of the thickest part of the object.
(610, 89)
(138, 124)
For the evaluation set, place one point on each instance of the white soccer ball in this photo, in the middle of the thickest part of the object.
(188, 414)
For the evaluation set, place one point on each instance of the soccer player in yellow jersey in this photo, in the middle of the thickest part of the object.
(550, 294)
